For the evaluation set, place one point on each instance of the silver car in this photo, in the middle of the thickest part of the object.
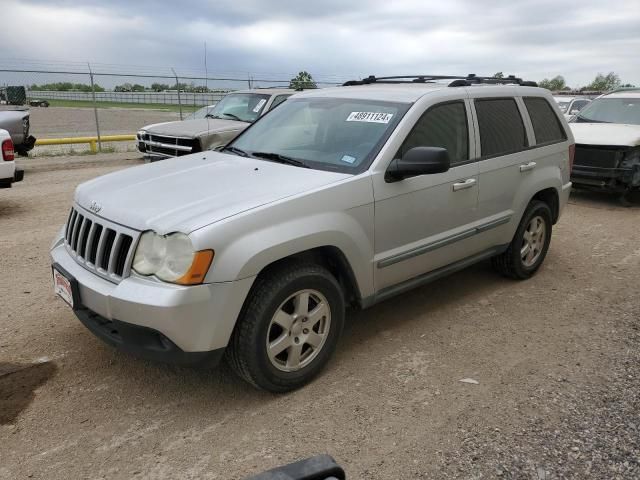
(210, 126)
(16, 122)
(340, 197)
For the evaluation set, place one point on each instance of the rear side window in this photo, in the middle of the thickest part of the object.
(546, 125)
(501, 128)
(444, 126)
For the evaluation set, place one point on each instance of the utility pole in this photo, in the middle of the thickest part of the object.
(206, 72)
(178, 87)
(95, 107)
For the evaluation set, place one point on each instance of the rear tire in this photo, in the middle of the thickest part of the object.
(288, 328)
(530, 243)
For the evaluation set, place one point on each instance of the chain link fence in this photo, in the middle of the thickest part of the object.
(70, 100)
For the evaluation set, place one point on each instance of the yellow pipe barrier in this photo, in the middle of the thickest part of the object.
(92, 141)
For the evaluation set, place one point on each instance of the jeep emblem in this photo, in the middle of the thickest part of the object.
(95, 207)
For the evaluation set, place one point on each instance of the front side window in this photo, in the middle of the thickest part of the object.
(278, 100)
(245, 107)
(337, 134)
(612, 110)
(546, 125)
(444, 126)
(501, 128)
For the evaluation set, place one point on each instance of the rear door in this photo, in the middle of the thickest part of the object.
(511, 161)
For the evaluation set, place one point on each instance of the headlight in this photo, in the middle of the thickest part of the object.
(171, 258)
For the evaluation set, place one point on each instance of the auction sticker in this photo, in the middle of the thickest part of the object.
(259, 105)
(370, 117)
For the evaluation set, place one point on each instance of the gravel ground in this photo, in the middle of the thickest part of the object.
(556, 359)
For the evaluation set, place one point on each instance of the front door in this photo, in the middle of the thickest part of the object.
(426, 222)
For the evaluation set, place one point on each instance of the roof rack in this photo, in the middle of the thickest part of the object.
(457, 81)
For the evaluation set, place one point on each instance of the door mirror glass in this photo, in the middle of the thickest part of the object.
(418, 161)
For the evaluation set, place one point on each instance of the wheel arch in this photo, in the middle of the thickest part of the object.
(551, 197)
(330, 257)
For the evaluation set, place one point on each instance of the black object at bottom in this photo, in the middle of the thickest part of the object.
(144, 342)
(18, 175)
(320, 467)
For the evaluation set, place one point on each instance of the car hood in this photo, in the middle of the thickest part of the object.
(190, 192)
(195, 128)
(606, 134)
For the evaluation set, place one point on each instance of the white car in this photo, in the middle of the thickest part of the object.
(607, 134)
(570, 106)
(8, 171)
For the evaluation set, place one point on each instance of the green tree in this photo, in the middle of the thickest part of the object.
(302, 80)
(555, 84)
(498, 75)
(159, 87)
(137, 88)
(602, 83)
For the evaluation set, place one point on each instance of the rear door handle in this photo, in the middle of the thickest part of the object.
(528, 166)
(468, 183)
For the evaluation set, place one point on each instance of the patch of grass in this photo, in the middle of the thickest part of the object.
(186, 109)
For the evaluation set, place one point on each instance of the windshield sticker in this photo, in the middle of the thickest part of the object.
(348, 159)
(259, 105)
(371, 117)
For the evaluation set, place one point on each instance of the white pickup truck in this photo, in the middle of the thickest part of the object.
(8, 171)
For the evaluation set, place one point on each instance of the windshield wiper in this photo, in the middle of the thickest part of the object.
(235, 117)
(276, 157)
(235, 150)
(589, 120)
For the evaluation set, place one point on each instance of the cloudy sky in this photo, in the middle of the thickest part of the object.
(333, 39)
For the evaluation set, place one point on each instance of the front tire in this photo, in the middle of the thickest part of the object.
(530, 243)
(289, 327)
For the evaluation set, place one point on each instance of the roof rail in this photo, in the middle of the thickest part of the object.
(457, 80)
(623, 89)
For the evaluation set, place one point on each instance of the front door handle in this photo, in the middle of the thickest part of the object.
(528, 166)
(468, 183)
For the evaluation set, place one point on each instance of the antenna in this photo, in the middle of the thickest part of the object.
(206, 72)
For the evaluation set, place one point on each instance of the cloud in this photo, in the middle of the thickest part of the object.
(333, 39)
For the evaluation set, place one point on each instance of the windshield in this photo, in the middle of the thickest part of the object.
(245, 107)
(324, 133)
(201, 113)
(612, 110)
(563, 103)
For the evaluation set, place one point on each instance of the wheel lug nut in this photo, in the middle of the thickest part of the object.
(297, 340)
(305, 331)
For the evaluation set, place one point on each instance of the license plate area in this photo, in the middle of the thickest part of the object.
(65, 286)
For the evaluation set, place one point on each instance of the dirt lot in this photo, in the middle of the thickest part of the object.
(55, 122)
(556, 358)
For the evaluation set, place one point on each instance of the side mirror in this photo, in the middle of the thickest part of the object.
(418, 161)
(574, 111)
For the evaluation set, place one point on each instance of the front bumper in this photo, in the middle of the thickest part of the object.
(194, 319)
(610, 179)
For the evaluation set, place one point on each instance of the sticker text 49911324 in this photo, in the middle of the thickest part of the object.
(371, 117)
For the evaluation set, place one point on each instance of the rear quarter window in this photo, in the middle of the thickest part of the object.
(546, 126)
(501, 128)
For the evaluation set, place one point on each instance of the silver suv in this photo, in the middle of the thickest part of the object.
(340, 197)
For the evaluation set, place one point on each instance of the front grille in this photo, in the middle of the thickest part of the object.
(167, 146)
(598, 156)
(103, 248)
